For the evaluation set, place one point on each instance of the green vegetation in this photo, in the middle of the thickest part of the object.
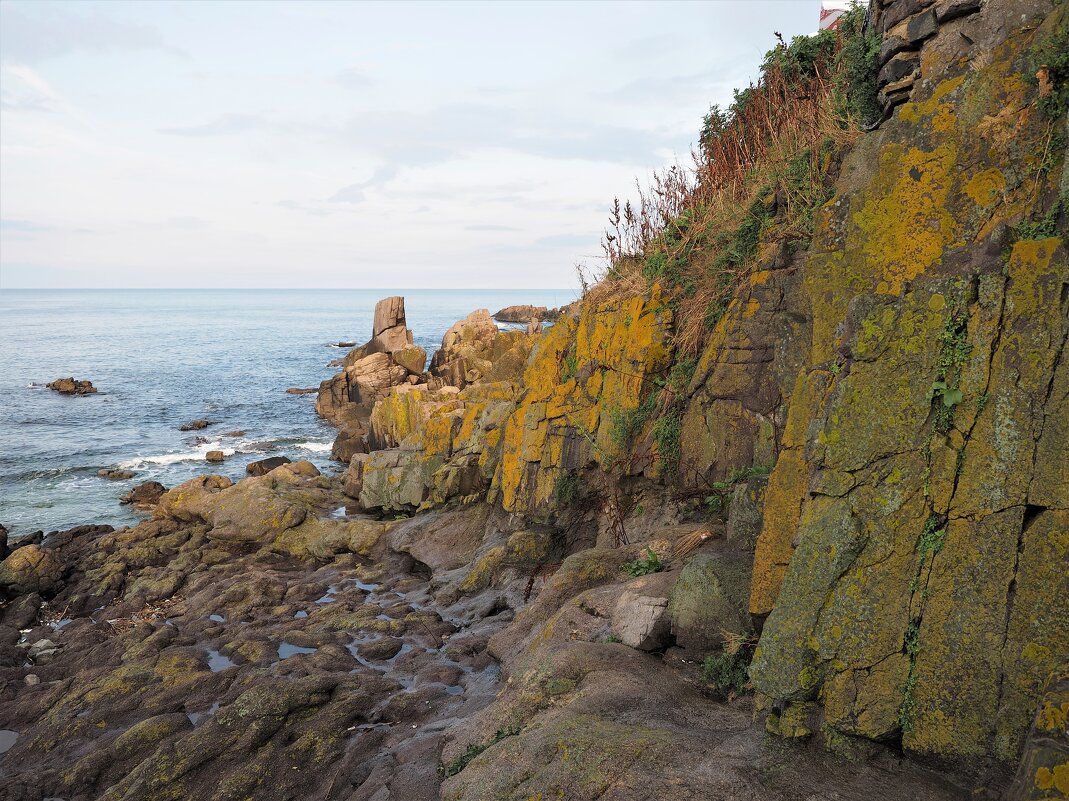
(567, 489)
(714, 502)
(461, 762)
(932, 538)
(764, 166)
(1045, 226)
(644, 565)
(908, 707)
(613, 638)
(1049, 71)
(954, 350)
(728, 670)
(570, 367)
(626, 424)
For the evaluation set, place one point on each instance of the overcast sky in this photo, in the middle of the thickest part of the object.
(276, 144)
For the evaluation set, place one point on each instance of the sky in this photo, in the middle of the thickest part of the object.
(345, 144)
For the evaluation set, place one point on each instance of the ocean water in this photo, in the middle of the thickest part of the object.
(160, 358)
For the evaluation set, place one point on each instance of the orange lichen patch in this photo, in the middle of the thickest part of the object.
(985, 187)
(904, 229)
(783, 505)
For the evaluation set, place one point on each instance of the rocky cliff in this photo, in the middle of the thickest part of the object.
(818, 551)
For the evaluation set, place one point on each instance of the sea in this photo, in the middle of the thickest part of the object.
(161, 358)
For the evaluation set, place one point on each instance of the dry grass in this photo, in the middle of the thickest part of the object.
(149, 613)
(681, 230)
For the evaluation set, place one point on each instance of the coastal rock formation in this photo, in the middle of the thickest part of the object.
(144, 496)
(30, 568)
(70, 386)
(388, 359)
(596, 563)
(194, 425)
(525, 314)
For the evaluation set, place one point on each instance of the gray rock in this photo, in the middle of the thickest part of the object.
(640, 618)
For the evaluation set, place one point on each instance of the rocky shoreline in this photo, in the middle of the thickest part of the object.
(268, 639)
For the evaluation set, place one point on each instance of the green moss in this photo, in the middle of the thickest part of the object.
(1052, 53)
(461, 762)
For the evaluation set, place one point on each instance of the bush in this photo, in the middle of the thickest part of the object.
(728, 671)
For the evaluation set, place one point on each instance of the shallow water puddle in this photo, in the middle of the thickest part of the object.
(217, 618)
(288, 649)
(300, 614)
(7, 739)
(217, 662)
(195, 717)
(328, 597)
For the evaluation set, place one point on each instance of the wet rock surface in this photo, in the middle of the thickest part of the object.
(169, 663)
(71, 386)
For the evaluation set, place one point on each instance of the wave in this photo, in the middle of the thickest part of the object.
(316, 447)
(196, 455)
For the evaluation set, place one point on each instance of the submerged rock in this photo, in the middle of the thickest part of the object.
(258, 468)
(71, 386)
(115, 473)
(194, 425)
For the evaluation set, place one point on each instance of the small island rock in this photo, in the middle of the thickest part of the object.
(71, 386)
(214, 456)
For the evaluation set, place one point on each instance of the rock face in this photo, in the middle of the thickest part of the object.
(71, 386)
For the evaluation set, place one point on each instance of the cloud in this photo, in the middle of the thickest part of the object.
(353, 78)
(490, 228)
(22, 226)
(445, 133)
(224, 124)
(567, 240)
(26, 90)
(47, 33)
(355, 193)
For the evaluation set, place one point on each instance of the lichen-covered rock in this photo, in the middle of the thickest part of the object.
(1044, 770)
(709, 598)
(31, 568)
(586, 378)
(911, 558)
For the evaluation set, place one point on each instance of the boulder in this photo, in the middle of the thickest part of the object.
(302, 390)
(214, 456)
(31, 568)
(115, 474)
(262, 466)
(144, 496)
(412, 357)
(710, 597)
(640, 618)
(194, 425)
(71, 386)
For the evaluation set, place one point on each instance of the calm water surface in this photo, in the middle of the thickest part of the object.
(160, 358)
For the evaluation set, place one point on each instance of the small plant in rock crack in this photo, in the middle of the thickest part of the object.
(728, 671)
(644, 565)
(461, 762)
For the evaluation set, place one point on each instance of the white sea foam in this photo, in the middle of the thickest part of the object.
(316, 447)
(174, 458)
